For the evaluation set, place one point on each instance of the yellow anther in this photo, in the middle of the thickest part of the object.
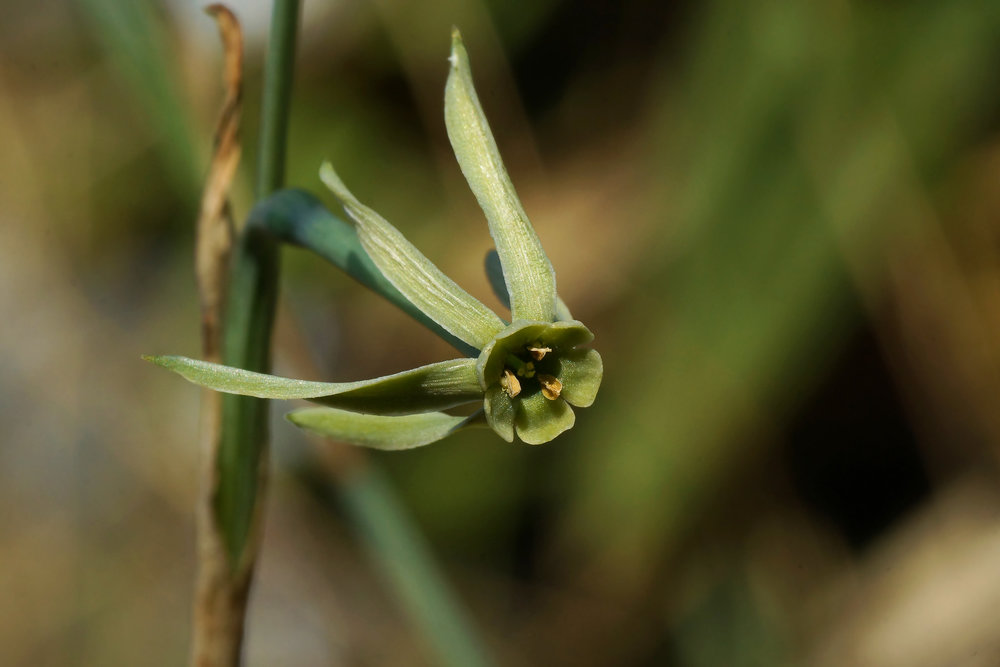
(551, 387)
(538, 352)
(509, 383)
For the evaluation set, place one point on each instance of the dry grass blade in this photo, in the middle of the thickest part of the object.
(221, 592)
(215, 226)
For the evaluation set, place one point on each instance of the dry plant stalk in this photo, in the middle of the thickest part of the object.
(215, 226)
(221, 590)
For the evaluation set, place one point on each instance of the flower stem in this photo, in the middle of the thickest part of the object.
(250, 310)
(278, 76)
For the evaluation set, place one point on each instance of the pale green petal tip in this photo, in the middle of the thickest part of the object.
(458, 53)
(171, 362)
(581, 372)
(355, 209)
(379, 432)
(540, 420)
(331, 180)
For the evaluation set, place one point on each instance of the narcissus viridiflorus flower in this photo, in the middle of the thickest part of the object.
(527, 373)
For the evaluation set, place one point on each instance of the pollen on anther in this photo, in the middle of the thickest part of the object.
(551, 387)
(538, 352)
(509, 383)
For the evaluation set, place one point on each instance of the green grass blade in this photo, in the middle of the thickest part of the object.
(250, 309)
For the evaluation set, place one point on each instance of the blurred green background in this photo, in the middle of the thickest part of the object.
(780, 218)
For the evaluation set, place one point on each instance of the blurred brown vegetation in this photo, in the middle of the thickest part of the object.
(781, 220)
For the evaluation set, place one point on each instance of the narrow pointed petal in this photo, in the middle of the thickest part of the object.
(580, 372)
(540, 420)
(499, 408)
(299, 218)
(381, 432)
(415, 276)
(570, 334)
(528, 273)
(433, 387)
(494, 273)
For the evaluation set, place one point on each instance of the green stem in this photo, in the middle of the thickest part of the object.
(279, 72)
(250, 308)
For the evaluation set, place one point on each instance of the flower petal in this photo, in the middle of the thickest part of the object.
(433, 387)
(494, 273)
(299, 218)
(499, 408)
(415, 276)
(540, 420)
(380, 432)
(569, 334)
(528, 273)
(580, 372)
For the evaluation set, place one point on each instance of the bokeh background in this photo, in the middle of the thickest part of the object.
(780, 218)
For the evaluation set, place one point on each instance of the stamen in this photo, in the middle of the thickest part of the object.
(537, 351)
(509, 383)
(551, 387)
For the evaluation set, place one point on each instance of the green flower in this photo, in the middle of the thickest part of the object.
(527, 374)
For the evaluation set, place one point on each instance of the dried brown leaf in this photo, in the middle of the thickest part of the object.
(215, 225)
(221, 590)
